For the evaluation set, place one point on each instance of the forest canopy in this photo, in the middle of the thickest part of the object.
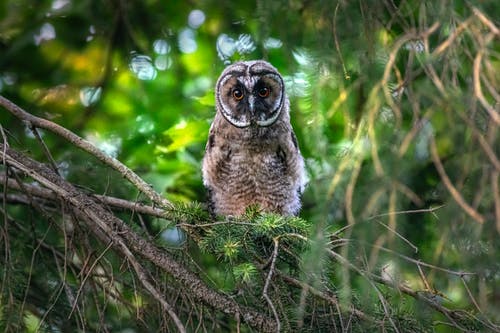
(105, 112)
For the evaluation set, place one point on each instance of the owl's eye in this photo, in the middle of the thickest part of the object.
(238, 94)
(264, 92)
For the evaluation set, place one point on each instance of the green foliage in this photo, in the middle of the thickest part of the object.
(245, 272)
(249, 237)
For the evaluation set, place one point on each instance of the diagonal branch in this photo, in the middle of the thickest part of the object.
(113, 202)
(83, 144)
(447, 182)
(127, 242)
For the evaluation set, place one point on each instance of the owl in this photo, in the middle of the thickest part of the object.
(252, 156)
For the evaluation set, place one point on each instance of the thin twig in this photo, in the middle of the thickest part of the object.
(496, 196)
(447, 182)
(381, 298)
(473, 300)
(419, 262)
(337, 45)
(423, 278)
(410, 136)
(350, 191)
(451, 38)
(45, 149)
(408, 193)
(412, 211)
(89, 271)
(268, 281)
(483, 143)
(478, 92)
(213, 224)
(400, 236)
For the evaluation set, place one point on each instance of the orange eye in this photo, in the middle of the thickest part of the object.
(238, 94)
(264, 92)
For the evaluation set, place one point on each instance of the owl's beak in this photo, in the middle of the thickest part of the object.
(251, 102)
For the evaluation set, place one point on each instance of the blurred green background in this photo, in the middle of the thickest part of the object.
(370, 92)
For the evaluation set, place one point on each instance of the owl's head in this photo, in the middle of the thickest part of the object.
(250, 93)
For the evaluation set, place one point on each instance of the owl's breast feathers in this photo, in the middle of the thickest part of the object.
(253, 166)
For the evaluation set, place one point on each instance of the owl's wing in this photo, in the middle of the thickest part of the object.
(208, 164)
(210, 201)
(303, 179)
(210, 141)
(294, 141)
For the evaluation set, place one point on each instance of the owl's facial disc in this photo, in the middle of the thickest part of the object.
(232, 99)
(250, 96)
(268, 99)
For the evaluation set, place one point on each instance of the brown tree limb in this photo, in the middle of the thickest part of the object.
(96, 217)
(83, 144)
(113, 202)
(127, 242)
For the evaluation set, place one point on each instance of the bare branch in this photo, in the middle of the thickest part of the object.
(268, 281)
(478, 92)
(113, 202)
(337, 45)
(451, 38)
(413, 211)
(86, 146)
(486, 21)
(447, 182)
(496, 195)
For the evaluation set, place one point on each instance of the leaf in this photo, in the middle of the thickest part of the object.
(207, 99)
(184, 134)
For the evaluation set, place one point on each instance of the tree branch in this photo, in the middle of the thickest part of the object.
(113, 202)
(88, 147)
(127, 242)
(447, 182)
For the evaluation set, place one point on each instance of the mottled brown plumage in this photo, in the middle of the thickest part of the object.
(252, 156)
